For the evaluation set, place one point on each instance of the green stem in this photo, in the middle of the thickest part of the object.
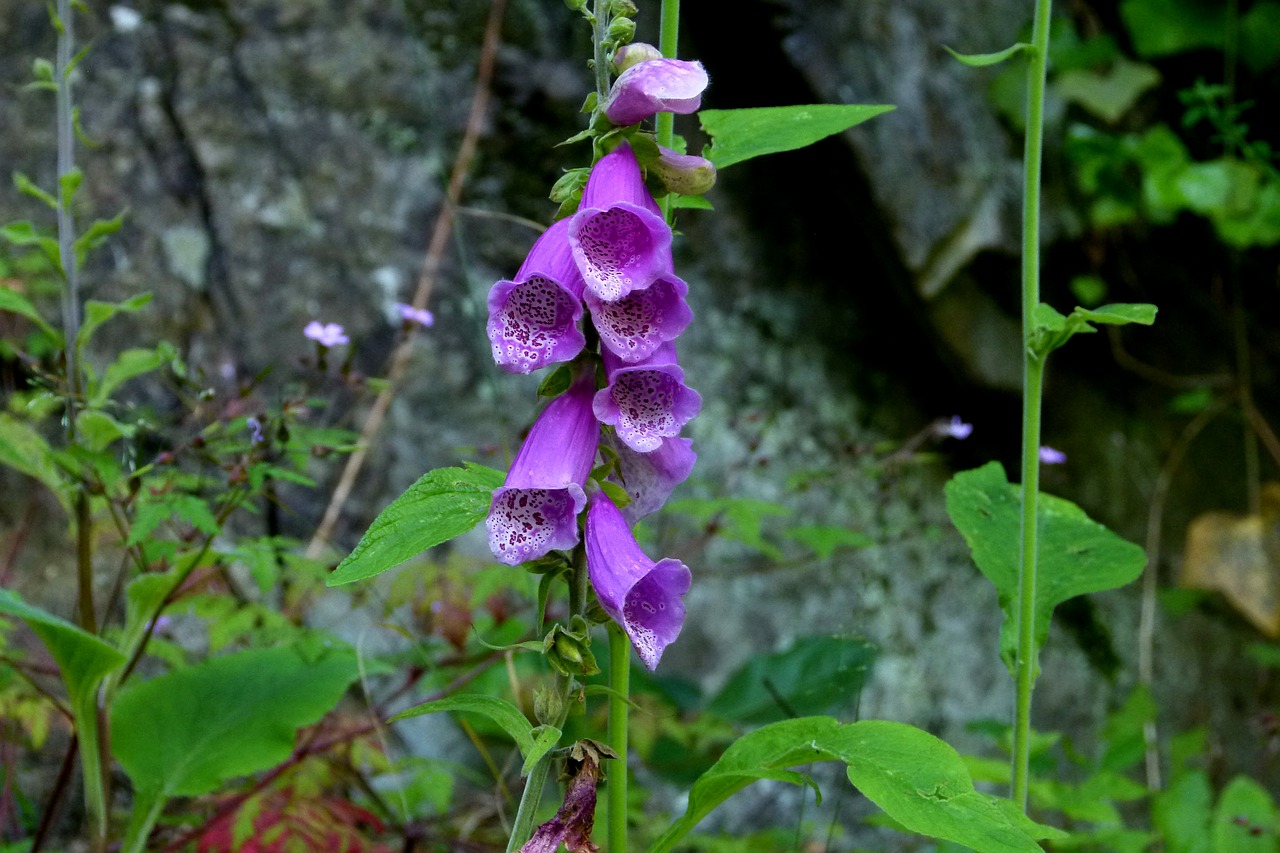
(600, 29)
(620, 684)
(1026, 663)
(668, 38)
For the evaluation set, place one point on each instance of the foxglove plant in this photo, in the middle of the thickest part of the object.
(646, 402)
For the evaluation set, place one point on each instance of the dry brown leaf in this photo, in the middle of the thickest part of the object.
(1239, 556)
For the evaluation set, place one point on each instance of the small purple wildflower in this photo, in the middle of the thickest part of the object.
(536, 510)
(255, 430)
(642, 596)
(421, 316)
(1050, 456)
(954, 428)
(655, 86)
(326, 334)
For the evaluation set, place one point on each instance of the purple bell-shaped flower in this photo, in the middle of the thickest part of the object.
(642, 596)
(534, 319)
(633, 327)
(646, 402)
(650, 478)
(620, 241)
(536, 510)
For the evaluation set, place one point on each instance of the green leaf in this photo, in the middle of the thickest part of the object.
(26, 186)
(979, 60)
(1165, 27)
(739, 519)
(154, 508)
(556, 382)
(82, 658)
(130, 364)
(1244, 820)
(1119, 314)
(1076, 555)
(739, 135)
(68, 184)
(188, 732)
(97, 430)
(532, 743)
(26, 234)
(96, 313)
(444, 503)
(16, 303)
(1260, 35)
(690, 202)
(1182, 813)
(919, 781)
(95, 234)
(824, 540)
(24, 449)
(815, 675)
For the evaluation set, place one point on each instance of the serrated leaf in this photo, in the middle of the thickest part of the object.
(815, 675)
(1076, 554)
(739, 135)
(444, 503)
(188, 732)
(919, 781)
(981, 60)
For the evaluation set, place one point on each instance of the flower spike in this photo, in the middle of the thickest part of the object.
(656, 86)
(619, 239)
(536, 510)
(642, 596)
(533, 319)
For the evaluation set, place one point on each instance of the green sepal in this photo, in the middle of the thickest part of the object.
(556, 382)
(981, 60)
(568, 650)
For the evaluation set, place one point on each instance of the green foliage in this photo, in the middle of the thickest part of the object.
(1076, 555)
(24, 449)
(816, 675)
(442, 504)
(532, 742)
(919, 781)
(1164, 27)
(737, 519)
(1052, 329)
(739, 135)
(981, 60)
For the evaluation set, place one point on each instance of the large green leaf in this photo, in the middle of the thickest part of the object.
(532, 742)
(817, 675)
(444, 503)
(1076, 555)
(1165, 27)
(187, 732)
(919, 781)
(1244, 821)
(739, 135)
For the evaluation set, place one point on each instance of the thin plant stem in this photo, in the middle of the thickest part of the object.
(620, 686)
(668, 44)
(1026, 663)
(401, 358)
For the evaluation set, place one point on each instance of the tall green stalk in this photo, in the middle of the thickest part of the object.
(1026, 664)
(620, 683)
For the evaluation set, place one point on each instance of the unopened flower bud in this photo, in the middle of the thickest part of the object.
(621, 30)
(621, 8)
(548, 705)
(569, 651)
(687, 174)
(625, 57)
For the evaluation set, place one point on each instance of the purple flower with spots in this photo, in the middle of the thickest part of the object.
(619, 239)
(533, 320)
(642, 596)
(655, 86)
(649, 478)
(536, 510)
(646, 402)
(634, 326)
